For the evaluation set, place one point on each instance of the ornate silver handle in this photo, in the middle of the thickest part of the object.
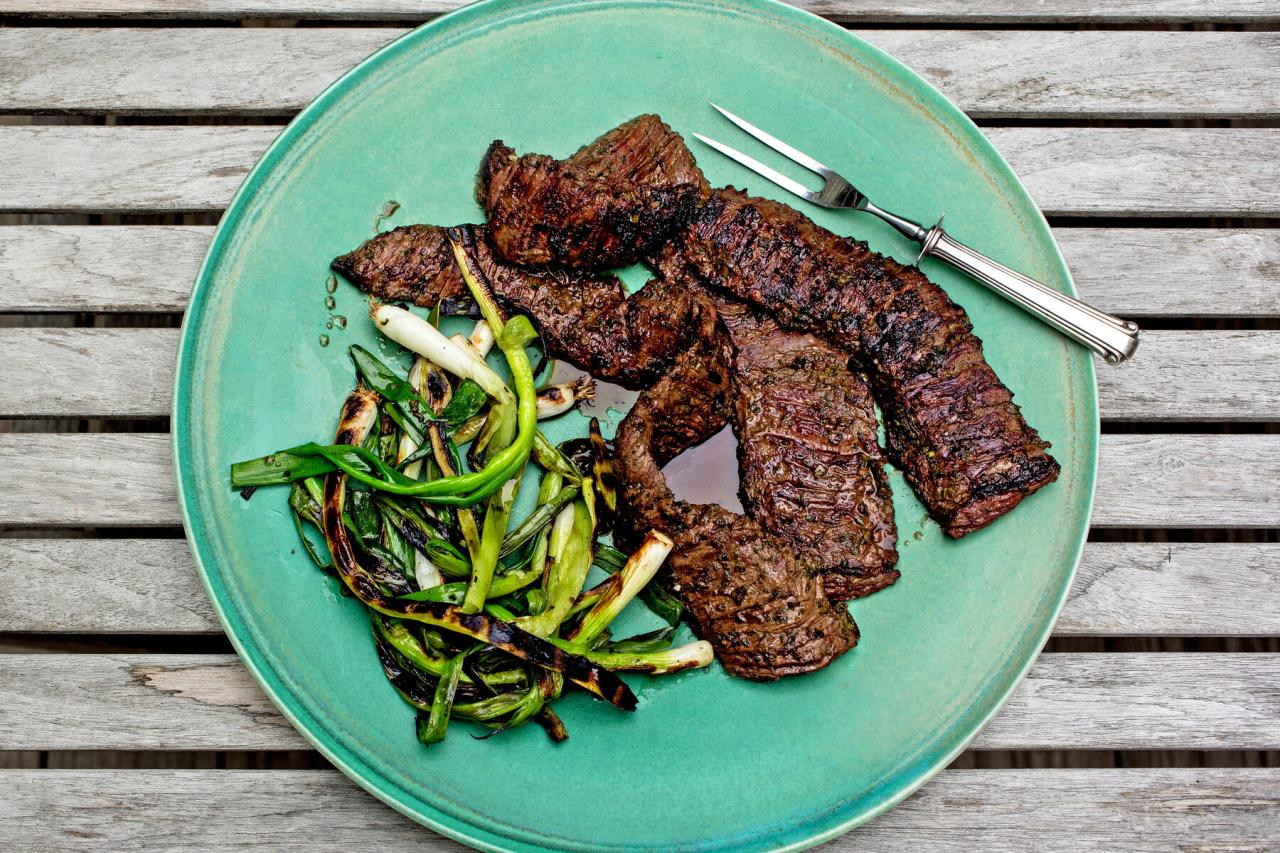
(1110, 337)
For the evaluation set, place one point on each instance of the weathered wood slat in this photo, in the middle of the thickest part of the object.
(1149, 272)
(1068, 701)
(1070, 171)
(1192, 481)
(960, 810)
(149, 586)
(129, 268)
(1186, 272)
(89, 479)
(933, 11)
(1184, 480)
(1181, 375)
(1144, 171)
(121, 169)
(1000, 74)
(1195, 375)
(1176, 589)
(107, 586)
(88, 372)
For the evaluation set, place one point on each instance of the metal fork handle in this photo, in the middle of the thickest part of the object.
(1110, 337)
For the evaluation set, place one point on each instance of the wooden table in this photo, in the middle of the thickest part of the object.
(1148, 131)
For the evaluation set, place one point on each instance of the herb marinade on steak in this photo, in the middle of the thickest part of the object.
(811, 468)
(812, 471)
(585, 318)
(951, 425)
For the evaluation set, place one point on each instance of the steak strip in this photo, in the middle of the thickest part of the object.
(607, 206)
(952, 426)
(765, 615)
(587, 319)
(811, 469)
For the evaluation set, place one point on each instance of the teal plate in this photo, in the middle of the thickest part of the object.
(707, 762)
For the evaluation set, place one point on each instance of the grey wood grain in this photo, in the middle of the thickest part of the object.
(135, 586)
(1195, 481)
(959, 810)
(1186, 272)
(1195, 376)
(1144, 171)
(1149, 272)
(1180, 376)
(95, 372)
(91, 268)
(934, 11)
(166, 169)
(1174, 589)
(1000, 74)
(1068, 701)
(1186, 480)
(87, 479)
(1069, 170)
(150, 586)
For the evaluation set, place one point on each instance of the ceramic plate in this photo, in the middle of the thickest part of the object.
(706, 761)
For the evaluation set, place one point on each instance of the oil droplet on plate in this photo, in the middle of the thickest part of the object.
(340, 320)
(328, 324)
(332, 284)
(324, 340)
(330, 303)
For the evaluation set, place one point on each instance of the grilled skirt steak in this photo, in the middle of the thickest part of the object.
(412, 263)
(812, 471)
(952, 426)
(766, 616)
(607, 206)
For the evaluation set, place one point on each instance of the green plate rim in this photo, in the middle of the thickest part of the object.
(492, 837)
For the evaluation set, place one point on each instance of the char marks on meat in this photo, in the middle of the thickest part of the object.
(765, 615)
(812, 471)
(811, 468)
(952, 426)
(756, 316)
(606, 206)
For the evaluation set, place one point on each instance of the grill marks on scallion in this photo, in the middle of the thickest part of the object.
(474, 618)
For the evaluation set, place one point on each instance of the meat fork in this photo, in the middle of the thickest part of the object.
(1110, 337)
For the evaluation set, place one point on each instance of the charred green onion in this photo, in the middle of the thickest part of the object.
(557, 399)
(623, 587)
(492, 632)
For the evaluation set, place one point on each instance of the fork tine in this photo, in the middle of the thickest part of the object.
(761, 169)
(776, 144)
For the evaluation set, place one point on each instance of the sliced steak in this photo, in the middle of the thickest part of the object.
(412, 263)
(952, 426)
(812, 471)
(766, 616)
(608, 205)
(584, 318)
